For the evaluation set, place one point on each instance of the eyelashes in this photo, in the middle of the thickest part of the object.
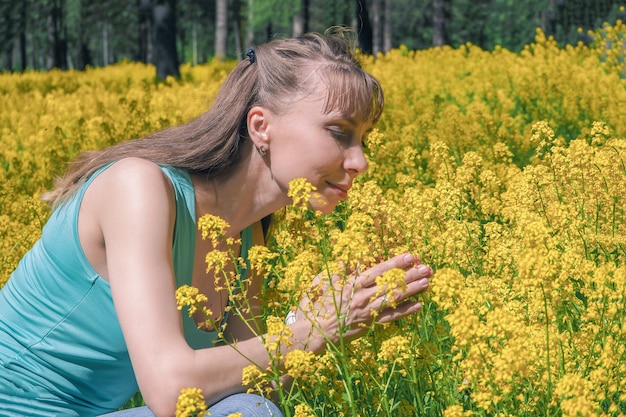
(346, 138)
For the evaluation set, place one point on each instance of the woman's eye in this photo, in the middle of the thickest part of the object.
(338, 134)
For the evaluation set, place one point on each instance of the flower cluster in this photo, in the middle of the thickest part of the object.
(191, 403)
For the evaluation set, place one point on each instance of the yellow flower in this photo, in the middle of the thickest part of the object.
(395, 349)
(251, 375)
(278, 334)
(303, 410)
(388, 282)
(213, 227)
(190, 403)
(300, 191)
(189, 296)
(217, 261)
(260, 258)
(300, 364)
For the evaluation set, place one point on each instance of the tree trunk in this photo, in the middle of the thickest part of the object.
(250, 31)
(440, 37)
(550, 17)
(301, 19)
(144, 29)
(364, 27)
(387, 30)
(105, 44)
(376, 26)
(23, 14)
(237, 27)
(58, 45)
(221, 28)
(6, 47)
(165, 55)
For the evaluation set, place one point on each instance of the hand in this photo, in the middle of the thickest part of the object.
(349, 305)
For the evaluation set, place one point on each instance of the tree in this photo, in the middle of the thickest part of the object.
(6, 44)
(440, 16)
(301, 19)
(57, 33)
(238, 24)
(376, 27)
(22, 34)
(387, 27)
(364, 27)
(165, 52)
(144, 31)
(221, 28)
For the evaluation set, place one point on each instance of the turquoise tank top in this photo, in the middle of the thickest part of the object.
(62, 351)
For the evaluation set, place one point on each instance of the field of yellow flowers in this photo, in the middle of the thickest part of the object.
(504, 171)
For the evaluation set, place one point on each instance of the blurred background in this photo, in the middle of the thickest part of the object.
(74, 34)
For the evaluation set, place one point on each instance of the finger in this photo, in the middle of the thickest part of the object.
(368, 277)
(418, 272)
(402, 310)
(391, 299)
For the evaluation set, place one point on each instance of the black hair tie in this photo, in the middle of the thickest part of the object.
(251, 55)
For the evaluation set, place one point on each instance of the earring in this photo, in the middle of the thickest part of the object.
(262, 151)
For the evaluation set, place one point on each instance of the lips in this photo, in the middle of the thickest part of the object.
(341, 189)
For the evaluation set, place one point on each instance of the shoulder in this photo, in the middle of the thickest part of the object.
(134, 172)
(134, 167)
(132, 184)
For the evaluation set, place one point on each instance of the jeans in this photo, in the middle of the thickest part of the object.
(249, 405)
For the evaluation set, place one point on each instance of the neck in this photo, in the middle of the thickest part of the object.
(244, 197)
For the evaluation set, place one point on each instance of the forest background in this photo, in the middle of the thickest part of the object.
(75, 34)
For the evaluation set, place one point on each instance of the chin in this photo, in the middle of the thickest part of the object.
(322, 205)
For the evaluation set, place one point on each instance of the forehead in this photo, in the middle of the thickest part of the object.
(353, 93)
(346, 92)
(317, 103)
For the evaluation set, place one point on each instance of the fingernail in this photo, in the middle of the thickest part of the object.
(408, 258)
(423, 270)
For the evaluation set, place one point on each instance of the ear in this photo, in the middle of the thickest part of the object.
(258, 123)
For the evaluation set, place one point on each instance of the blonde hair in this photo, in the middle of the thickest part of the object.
(210, 144)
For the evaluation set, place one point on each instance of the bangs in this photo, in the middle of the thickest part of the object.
(352, 92)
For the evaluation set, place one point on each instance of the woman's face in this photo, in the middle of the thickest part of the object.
(326, 149)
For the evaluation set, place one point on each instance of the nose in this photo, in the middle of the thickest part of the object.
(355, 161)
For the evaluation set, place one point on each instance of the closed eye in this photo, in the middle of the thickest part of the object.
(339, 134)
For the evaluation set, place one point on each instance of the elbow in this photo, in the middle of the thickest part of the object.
(161, 394)
(162, 403)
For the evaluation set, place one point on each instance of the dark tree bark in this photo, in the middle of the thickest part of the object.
(269, 31)
(165, 54)
(7, 43)
(56, 39)
(440, 17)
(85, 57)
(364, 27)
(144, 28)
(22, 37)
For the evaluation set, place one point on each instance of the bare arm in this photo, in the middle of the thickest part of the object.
(133, 206)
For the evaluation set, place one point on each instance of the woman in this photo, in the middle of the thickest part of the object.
(89, 315)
